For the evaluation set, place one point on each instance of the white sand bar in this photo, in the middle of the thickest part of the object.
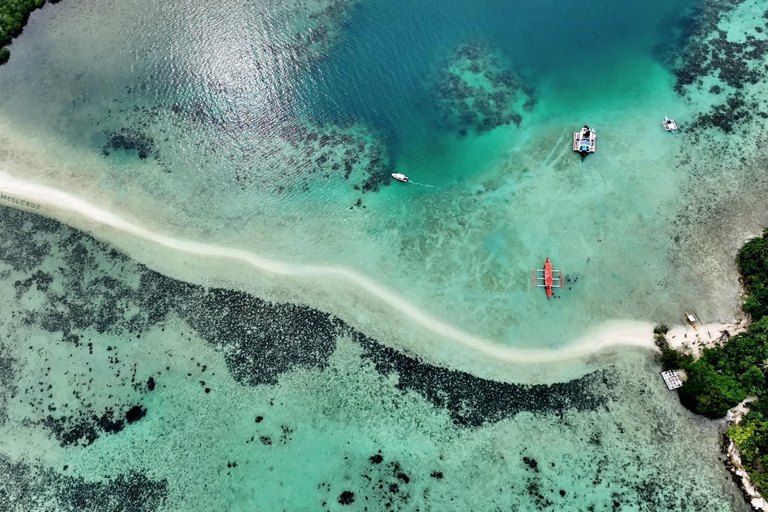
(607, 335)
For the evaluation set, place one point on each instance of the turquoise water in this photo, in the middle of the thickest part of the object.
(273, 127)
(244, 405)
(249, 151)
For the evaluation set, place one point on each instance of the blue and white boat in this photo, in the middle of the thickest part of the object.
(585, 141)
(669, 125)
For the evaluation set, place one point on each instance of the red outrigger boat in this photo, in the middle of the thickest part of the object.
(547, 278)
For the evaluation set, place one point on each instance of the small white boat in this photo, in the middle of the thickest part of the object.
(669, 125)
(691, 319)
(400, 177)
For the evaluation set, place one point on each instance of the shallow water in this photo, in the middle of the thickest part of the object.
(272, 128)
(247, 152)
(247, 405)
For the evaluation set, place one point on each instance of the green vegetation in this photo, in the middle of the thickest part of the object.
(13, 17)
(710, 392)
(753, 264)
(670, 358)
(751, 436)
(727, 374)
(723, 376)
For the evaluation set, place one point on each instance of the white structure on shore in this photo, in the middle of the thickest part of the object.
(672, 379)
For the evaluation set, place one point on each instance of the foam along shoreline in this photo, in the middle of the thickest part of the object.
(609, 334)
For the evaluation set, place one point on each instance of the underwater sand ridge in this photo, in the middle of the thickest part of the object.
(61, 295)
(90, 301)
(613, 333)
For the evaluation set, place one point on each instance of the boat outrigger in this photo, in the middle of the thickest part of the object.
(547, 278)
(400, 177)
(585, 141)
(669, 125)
(691, 319)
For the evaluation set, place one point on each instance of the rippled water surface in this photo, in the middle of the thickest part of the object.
(135, 374)
(275, 127)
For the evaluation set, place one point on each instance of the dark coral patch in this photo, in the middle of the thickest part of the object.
(475, 92)
(127, 139)
(726, 116)
(472, 401)
(34, 488)
(41, 280)
(135, 413)
(259, 340)
(83, 428)
(22, 245)
(330, 153)
(705, 50)
(347, 498)
(263, 340)
(7, 379)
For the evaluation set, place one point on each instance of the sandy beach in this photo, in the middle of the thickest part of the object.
(693, 341)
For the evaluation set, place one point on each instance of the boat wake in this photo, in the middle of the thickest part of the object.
(609, 334)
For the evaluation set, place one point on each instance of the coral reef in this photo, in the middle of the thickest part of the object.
(30, 487)
(259, 341)
(315, 41)
(129, 140)
(455, 390)
(475, 91)
(299, 157)
(712, 51)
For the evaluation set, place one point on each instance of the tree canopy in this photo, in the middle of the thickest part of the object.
(13, 16)
(725, 375)
(753, 265)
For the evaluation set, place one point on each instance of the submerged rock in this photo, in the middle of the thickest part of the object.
(135, 413)
(347, 498)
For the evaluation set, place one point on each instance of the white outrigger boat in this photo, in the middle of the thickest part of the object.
(585, 141)
(400, 177)
(691, 319)
(669, 125)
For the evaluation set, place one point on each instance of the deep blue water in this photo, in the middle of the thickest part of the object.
(382, 70)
